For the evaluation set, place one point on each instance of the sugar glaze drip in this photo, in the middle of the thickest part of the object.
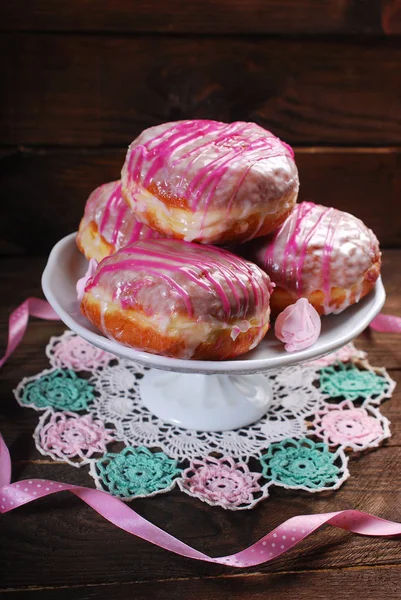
(202, 279)
(114, 219)
(209, 165)
(318, 248)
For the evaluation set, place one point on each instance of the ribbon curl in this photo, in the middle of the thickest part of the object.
(35, 307)
(18, 322)
(277, 542)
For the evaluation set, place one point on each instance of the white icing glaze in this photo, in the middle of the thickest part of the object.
(183, 289)
(318, 248)
(114, 220)
(234, 171)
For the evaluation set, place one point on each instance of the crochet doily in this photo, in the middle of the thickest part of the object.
(92, 415)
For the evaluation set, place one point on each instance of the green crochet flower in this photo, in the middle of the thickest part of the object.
(136, 472)
(349, 381)
(61, 389)
(300, 464)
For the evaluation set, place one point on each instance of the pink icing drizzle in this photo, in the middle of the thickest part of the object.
(116, 221)
(83, 281)
(300, 238)
(227, 276)
(202, 188)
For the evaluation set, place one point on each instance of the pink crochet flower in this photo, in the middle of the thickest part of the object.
(343, 424)
(68, 435)
(221, 482)
(73, 352)
(344, 354)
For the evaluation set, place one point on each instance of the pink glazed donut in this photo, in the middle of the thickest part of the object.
(108, 223)
(325, 255)
(210, 182)
(179, 299)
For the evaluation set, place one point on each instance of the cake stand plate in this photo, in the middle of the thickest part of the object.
(195, 394)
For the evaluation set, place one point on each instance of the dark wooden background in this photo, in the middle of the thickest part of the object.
(79, 80)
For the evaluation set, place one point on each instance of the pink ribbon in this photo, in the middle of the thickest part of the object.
(277, 542)
(35, 307)
(386, 324)
(18, 321)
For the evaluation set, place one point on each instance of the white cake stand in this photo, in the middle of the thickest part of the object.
(194, 394)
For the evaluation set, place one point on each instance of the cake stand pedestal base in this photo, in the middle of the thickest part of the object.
(205, 402)
(202, 395)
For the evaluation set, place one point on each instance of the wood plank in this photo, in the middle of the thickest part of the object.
(55, 537)
(103, 90)
(53, 188)
(44, 191)
(376, 583)
(222, 16)
(357, 181)
(18, 424)
(391, 17)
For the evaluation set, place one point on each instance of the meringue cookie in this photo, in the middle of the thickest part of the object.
(298, 326)
(81, 283)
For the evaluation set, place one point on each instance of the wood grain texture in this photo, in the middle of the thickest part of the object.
(80, 80)
(391, 16)
(103, 90)
(17, 424)
(69, 525)
(44, 192)
(59, 536)
(61, 543)
(320, 585)
(220, 16)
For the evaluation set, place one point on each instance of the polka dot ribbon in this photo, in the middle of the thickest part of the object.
(18, 321)
(277, 542)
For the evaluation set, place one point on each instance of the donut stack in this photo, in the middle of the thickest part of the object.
(166, 282)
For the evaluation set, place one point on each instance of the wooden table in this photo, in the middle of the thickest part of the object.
(59, 548)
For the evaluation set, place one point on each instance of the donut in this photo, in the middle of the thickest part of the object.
(179, 299)
(108, 223)
(325, 255)
(210, 182)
